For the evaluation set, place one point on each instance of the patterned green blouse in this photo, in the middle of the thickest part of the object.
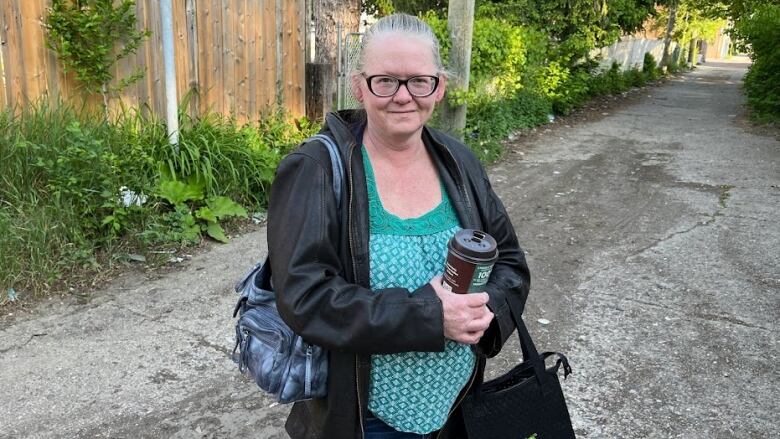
(413, 391)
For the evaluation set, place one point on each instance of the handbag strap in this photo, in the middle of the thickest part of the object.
(530, 353)
(260, 274)
(335, 162)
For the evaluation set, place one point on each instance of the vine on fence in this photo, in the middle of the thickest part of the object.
(85, 35)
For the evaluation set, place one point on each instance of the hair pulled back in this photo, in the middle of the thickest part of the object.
(401, 24)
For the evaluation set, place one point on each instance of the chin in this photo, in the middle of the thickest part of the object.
(407, 123)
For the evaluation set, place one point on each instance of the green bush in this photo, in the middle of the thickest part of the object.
(78, 191)
(650, 67)
(490, 121)
(761, 31)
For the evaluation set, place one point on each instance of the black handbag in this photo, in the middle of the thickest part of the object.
(523, 402)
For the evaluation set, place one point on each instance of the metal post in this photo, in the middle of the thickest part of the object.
(171, 101)
(339, 86)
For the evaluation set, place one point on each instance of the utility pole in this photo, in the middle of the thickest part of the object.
(460, 25)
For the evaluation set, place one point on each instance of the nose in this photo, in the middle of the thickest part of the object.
(402, 95)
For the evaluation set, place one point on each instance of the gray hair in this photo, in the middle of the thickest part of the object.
(403, 24)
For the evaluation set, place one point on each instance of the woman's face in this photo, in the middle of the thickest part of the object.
(401, 115)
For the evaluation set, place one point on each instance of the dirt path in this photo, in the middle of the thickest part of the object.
(653, 240)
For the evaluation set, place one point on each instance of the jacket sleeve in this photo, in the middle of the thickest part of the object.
(312, 295)
(510, 275)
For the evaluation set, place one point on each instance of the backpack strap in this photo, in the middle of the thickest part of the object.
(336, 164)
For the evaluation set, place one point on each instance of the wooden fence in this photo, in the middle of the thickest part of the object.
(236, 57)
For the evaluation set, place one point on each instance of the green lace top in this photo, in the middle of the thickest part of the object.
(413, 391)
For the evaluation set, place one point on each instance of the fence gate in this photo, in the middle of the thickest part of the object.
(348, 52)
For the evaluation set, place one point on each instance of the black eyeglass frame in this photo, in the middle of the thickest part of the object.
(400, 83)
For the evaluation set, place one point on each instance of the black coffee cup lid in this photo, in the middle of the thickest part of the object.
(475, 244)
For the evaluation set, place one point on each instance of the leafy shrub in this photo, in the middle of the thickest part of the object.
(761, 30)
(650, 67)
(490, 121)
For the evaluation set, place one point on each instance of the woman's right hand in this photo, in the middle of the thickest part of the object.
(466, 316)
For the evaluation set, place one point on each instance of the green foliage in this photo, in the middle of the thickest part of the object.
(195, 216)
(85, 33)
(380, 8)
(760, 30)
(650, 67)
(489, 120)
(573, 27)
(79, 191)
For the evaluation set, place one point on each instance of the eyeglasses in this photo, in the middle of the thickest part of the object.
(385, 86)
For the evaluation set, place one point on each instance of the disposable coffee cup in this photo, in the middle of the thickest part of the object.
(470, 258)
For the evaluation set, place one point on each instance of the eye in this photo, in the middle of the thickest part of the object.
(421, 81)
(384, 80)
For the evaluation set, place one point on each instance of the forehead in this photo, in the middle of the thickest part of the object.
(399, 54)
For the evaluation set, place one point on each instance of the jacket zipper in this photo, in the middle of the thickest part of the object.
(457, 403)
(461, 185)
(354, 274)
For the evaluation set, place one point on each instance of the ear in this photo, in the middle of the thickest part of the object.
(355, 84)
(441, 88)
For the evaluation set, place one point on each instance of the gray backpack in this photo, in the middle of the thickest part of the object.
(279, 360)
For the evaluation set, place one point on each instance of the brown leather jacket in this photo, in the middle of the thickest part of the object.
(319, 257)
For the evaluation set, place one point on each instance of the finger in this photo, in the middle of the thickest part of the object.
(473, 337)
(480, 324)
(477, 300)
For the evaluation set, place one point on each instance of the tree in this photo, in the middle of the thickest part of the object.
(673, 5)
(327, 15)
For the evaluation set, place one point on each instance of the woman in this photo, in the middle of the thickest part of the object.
(362, 279)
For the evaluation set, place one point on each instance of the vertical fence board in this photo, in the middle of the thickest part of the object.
(142, 59)
(215, 81)
(203, 33)
(29, 50)
(5, 65)
(15, 65)
(269, 55)
(229, 41)
(180, 49)
(192, 54)
(157, 69)
(242, 89)
(253, 24)
(294, 62)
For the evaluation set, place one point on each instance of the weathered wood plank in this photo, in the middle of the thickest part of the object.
(193, 54)
(254, 29)
(156, 67)
(5, 67)
(215, 83)
(15, 65)
(269, 55)
(240, 53)
(180, 49)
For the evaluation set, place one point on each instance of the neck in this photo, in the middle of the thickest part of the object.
(396, 151)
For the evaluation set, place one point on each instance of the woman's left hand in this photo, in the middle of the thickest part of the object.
(466, 316)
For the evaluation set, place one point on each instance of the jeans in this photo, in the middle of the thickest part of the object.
(374, 428)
